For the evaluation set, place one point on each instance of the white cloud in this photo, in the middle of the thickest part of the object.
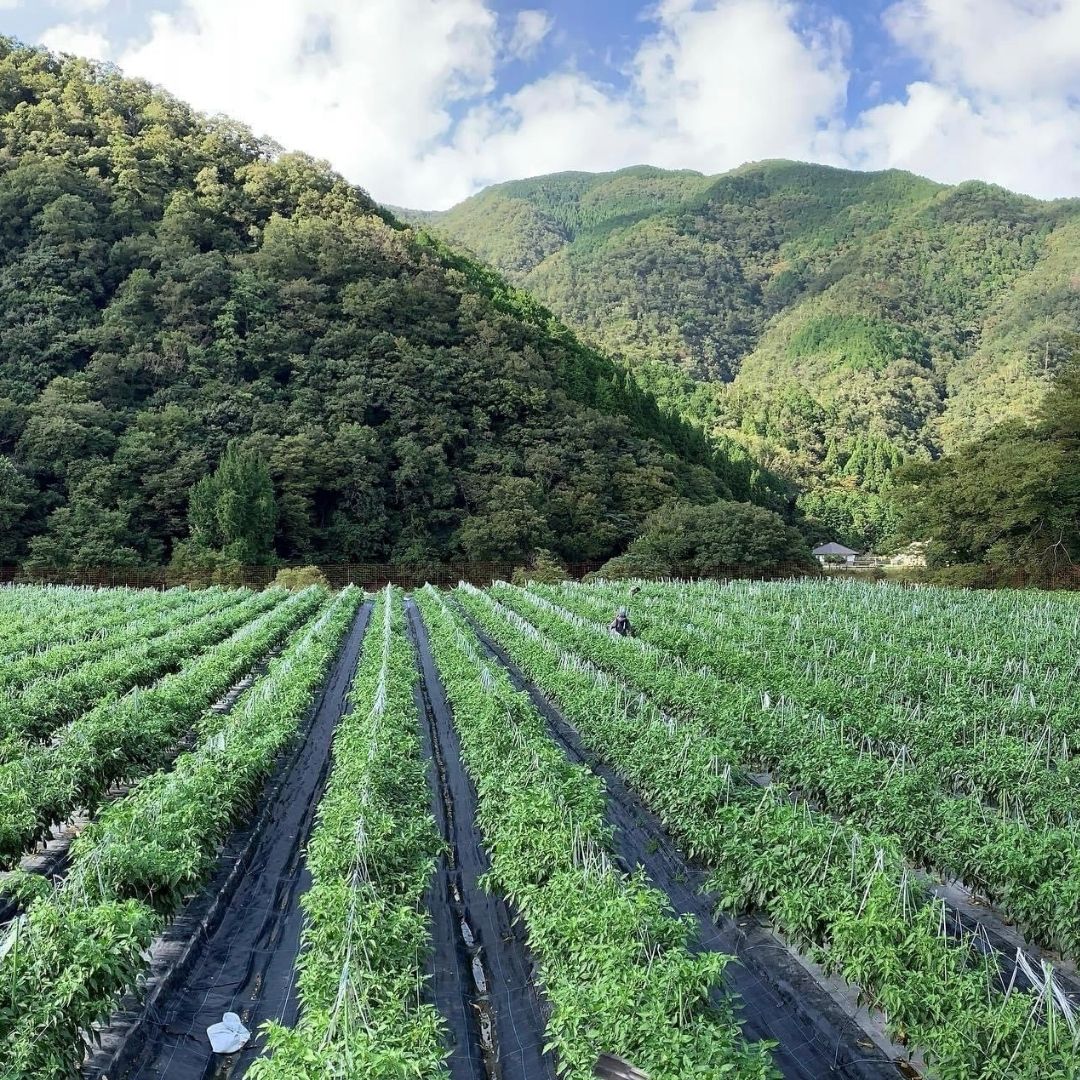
(1032, 147)
(1003, 48)
(562, 121)
(368, 85)
(398, 94)
(1001, 104)
(710, 89)
(80, 7)
(737, 81)
(78, 40)
(530, 29)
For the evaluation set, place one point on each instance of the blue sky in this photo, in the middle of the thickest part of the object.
(425, 101)
(603, 34)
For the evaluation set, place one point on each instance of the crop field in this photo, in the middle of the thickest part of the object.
(794, 829)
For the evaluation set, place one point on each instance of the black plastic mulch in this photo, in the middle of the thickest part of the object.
(779, 999)
(481, 974)
(234, 949)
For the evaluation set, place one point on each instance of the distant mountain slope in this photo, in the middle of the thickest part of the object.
(835, 322)
(168, 284)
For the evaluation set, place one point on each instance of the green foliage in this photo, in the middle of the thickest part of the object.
(618, 967)
(118, 737)
(629, 566)
(84, 944)
(1010, 499)
(23, 887)
(195, 566)
(232, 510)
(855, 518)
(684, 538)
(176, 295)
(297, 578)
(85, 955)
(684, 713)
(798, 309)
(958, 576)
(371, 858)
(18, 497)
(857, 341)
(543, 566)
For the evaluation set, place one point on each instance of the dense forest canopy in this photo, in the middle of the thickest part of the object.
(172, 288)
(1008, 500)
(835, 323)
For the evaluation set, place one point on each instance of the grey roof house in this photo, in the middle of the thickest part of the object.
(831, 554)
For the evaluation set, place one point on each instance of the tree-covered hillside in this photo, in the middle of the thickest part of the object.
(1007, 501)
(171, 287)
(834, 322)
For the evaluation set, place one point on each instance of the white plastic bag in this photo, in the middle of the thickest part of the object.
(228, 1036)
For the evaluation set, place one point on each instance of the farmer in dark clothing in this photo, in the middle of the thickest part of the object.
(621, 624)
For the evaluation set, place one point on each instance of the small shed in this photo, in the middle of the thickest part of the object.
(835, 554)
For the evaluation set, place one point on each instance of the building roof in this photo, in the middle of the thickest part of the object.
(833, 549)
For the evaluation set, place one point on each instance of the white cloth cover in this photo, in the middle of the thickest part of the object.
(228, 1036)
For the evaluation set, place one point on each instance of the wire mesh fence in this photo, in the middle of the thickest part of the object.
(367, 575)
(447, 574)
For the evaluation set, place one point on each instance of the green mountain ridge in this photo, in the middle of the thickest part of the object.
(170, 285)
(835, 323)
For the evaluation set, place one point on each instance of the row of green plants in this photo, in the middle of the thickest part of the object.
(66, 961)
(39, 709)
(987, 747)
(617, 967)
(936, 641)
(33, 671)
(985, 648)
(1012, 657)
(31, 614)
(132, 736)
(1031, 872)
(114, 611)
(842, 894)
(371, 856)
(996, 814)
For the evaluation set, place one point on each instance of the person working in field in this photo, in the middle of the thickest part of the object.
(621, 624)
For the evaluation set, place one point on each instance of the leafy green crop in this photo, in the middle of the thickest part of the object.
(124, 738)
(371, 857)
(991, 802)
(614, 962)
(53, 637)
(66, 961)
(680, 736)
(146, 651)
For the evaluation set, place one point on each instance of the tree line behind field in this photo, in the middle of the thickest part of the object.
(214, 350)
(836, 324)
(1009, 500)
(215, 354)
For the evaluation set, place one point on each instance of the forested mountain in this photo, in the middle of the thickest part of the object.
(1007, 501)
(836, 323)
(171, 287)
